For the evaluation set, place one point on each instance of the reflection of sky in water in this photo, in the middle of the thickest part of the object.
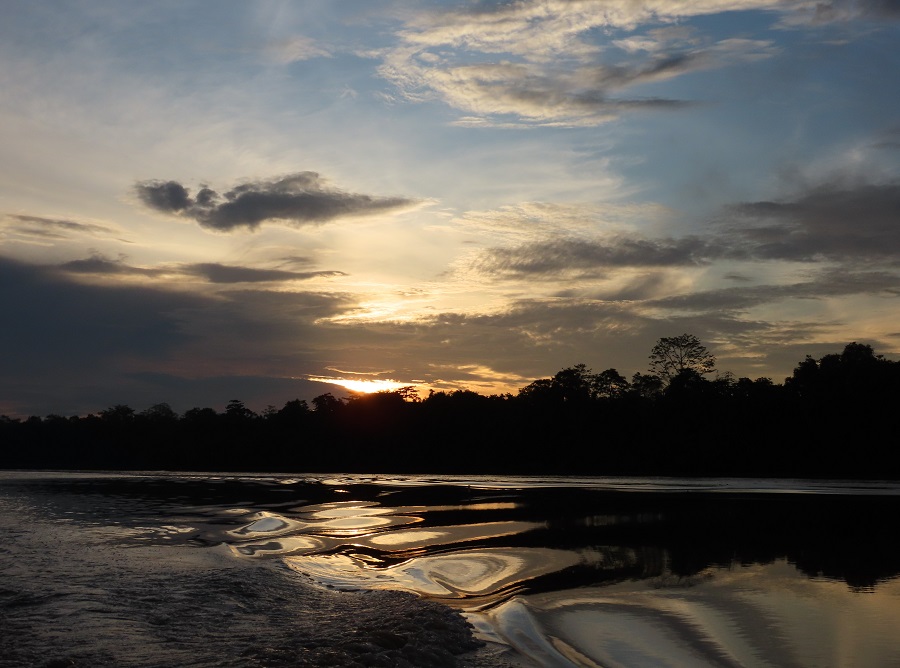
(340, 509)
(472, 578)
(563, 598)
(596, 572)
(760, 615)
(407, 538)
(447, 535)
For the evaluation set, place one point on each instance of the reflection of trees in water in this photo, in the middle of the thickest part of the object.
(617, 536)
(644, 535)
(839, 537)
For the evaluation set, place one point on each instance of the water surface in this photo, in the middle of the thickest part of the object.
(548, 571)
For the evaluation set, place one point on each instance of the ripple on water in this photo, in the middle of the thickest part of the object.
(267, 524)
(284, 545)
(468, 579)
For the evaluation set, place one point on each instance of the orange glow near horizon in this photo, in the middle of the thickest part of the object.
(360, 385)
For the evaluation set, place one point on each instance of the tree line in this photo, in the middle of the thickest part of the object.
(833, 417)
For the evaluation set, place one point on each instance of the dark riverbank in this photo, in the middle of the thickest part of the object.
(834, 417)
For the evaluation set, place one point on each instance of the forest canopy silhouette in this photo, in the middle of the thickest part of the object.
(833, 417)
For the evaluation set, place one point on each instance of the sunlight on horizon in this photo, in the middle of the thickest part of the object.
(365, 386)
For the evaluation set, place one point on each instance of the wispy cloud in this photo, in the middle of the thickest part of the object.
(835, 223)
(55, 228)
(98, 264)
(213, 272)
(303, 198)
(823, 12)
(295, 49)
(829, 283)
(538, 62)
(566, 256)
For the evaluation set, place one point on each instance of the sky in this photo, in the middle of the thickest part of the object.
(271, 200)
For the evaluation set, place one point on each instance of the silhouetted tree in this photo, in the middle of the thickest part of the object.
(538, 390)
(573, 384)
(159, 412)
(118, 414)
(832, 417)
(609, 384)
(326, 404)
(236, 410)
(673, 354)
(646, 385)
(687, 382)
(408, 393)
(294, 409)
(200, 416)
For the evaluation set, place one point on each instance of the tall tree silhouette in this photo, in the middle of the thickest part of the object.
(675, 355)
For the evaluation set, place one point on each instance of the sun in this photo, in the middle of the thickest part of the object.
(358, 385)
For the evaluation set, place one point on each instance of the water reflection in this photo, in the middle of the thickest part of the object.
(759, 615)
(620, 573)
(475, 578)
(600, 578)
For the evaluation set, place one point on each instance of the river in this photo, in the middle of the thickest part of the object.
(167, 569)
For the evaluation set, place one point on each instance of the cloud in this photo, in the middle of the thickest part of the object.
(222, 273)
(822, 12)
(830, 221)
(99, 264)
(61, 325)
(56, 228)
(534, 338)
(296, 49)
(542, 63)
(81, 347)
(888, 139)
(829, 283)
(213, 272)
(539, 94)
(299, 199)
(583, 256)
(543, 28)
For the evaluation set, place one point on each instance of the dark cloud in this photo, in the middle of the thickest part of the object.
(213, 272)
(297, 260)
(82, 347)
(888, 138)
(99, 264)
(835, 10)
(661, 66)
(555, 256)
(883, 7)
(222, 273)
(830, 283)
(53, 226)
(830, 221)
(60, 325)
(166, 196)
(299, 199)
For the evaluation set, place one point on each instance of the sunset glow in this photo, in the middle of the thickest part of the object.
(365, 386)
(469, 195)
